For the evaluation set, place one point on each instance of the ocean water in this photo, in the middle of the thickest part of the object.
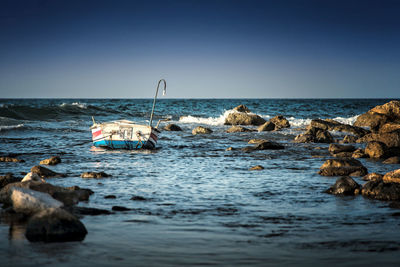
(203, 206)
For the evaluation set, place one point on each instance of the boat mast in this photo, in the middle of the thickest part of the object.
(155, 97)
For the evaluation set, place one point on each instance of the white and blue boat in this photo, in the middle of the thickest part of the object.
(125, 134)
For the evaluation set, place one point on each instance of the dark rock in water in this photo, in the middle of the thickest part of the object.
(376, 150)
(172, 127)
(51, 161)
(8, 179)
(391, 139)
(266, 145)
(381, 190)
(349, 139)
(44, 172)
(201, 130)
(390, 109)
(342, 167)
(242, 108)
(82, 193)
(372, 120)
(392, 177)
(10, 159)
(54, 225)
(304, 138)
(343, 155)
(241, 118)
(95, 175)
(229, 149)
(331, 125)
(119, 208)
(335, 149)
(79, 211)
(67, 196)
(138, 198)
(280, 122)
(238, 129)
(344, 186)
(110, 197)
(359, 153)
(268, 126)
(257, 168)
(373, 177)
(324, 137)
(389, 127)
(314, 135)
(392, 160)
(257, 141)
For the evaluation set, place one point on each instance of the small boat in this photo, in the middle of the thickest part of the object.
(125, 134)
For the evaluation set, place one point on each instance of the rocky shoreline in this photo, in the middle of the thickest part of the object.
(52, 213)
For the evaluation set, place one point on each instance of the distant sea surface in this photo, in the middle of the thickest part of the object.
(203, 206)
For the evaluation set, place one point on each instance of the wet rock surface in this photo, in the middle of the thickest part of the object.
(280, 122)
(344, 186)
(257, 168)
(392, 177)
(266, 127)
(373, 177)
(45, 172)
(381, 191)
(95, 175)
(242, 108)
(238, 129)
(265, 145)
(8, 179)
(201, 130)
(10, 159)
(376, 150)
(342, 167)
(173, 128)
(392, 160)
(241, 118)
(51, 161)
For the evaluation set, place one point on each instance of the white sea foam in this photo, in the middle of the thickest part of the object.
(77, 104)
(208, 121)
(350, 120)
(10, 127)
(298, 123)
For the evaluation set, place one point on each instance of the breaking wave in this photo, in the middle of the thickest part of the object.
(10, 127)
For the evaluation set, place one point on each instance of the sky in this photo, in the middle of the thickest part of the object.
(202, 48)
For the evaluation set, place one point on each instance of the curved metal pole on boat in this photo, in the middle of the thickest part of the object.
(154, 102)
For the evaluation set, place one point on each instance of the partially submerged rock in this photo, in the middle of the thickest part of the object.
(95, 175)
(335, 149)
(266, 127)
(238, 129)
(372, 120)
(314, 135)
(8, 179)
(54, 225)
(342, 167)
(376, 149)
(392, 177)
(242, 108)
(382, 191)
(242, 118)
(280, 122)
(331, 125)
(33, 176)
(10, 159)
(29, 202)
(172, 127)
(257, 168)
(373, 177)
(266, 145)
(392, 160)
(349, 139)
(201, 130)
(359, 153)
(344, 186)
(51, 161)
(44, 172)
(391, 139)
(257, 141)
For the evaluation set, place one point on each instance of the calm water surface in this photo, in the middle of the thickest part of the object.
(203, 207)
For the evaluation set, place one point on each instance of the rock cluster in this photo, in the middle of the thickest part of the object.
(274, 124)
(342, 167)
(242, 116)
(10, 159)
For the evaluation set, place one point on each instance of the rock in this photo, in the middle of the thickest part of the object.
(268, 126)
(8, 179)
(257, 141)
(229, 149)
(110, 196)
(391, 139)
(51, 161)
(390, 109)
(44, 172)
(242, 108)
(138, 198)
(65, 195)
(172, 127)
(95, 175)
(392, 160)
(359, 153)
(28, 201)
(54, 225)
(342, 167)
(280, 122)
(373, 177)
(201, 130)
(120, 208)
(349, 139)
(381, 190)
(343, 155)
(32, 176)
(10, 159)
(372, 120)
(257, 168)
(83, 194)
(324, 137)
(376, 150)
(266, 145)
(304, 138)
(238, 129)
(314, 135)
(335, 149)
(392, 177)
(331, 125)
(389, 127)
(241, 118)
(344, 186)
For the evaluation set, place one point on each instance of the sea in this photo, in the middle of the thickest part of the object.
(202, 205)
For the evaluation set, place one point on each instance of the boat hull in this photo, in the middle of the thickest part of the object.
(124, 135)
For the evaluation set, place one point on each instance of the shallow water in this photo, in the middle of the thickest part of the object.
(203, 206)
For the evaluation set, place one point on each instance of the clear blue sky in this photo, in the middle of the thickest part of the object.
(204, 49)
